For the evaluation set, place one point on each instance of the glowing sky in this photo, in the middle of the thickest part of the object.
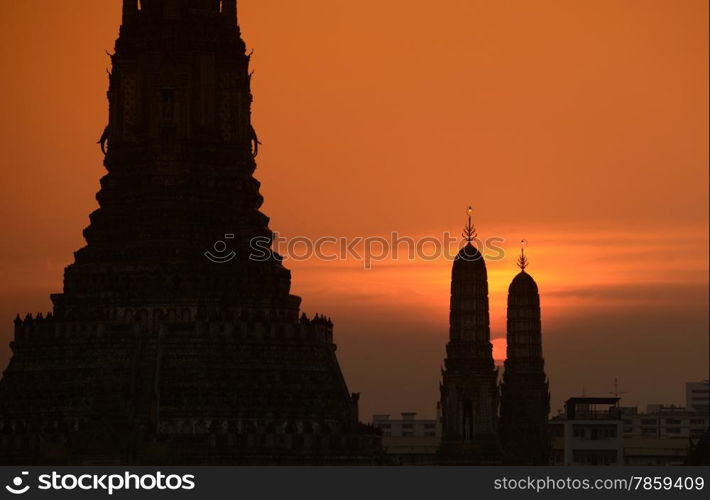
(580, 126)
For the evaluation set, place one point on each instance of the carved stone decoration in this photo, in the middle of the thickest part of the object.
(228, 106)
(129, 104)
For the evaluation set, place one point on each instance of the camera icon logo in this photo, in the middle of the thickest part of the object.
(16, 487)
(221, 255)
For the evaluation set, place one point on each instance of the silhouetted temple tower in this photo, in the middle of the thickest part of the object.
(469, 390)
(158, 351)
(525, 396)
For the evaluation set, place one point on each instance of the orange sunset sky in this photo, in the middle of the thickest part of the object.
(579, 125)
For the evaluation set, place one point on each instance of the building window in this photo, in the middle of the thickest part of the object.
(602, 432)
(597, 457)
(648, 421)
(672, 421)
(673, 430)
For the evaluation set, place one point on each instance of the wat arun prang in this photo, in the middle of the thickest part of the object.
(473, 431)
(153, 353)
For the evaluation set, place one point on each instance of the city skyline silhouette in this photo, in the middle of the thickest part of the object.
(598, 160)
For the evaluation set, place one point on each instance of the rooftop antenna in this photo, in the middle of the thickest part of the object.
(616, 392)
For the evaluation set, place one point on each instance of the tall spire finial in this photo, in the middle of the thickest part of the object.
(469, 232)
(523, 260)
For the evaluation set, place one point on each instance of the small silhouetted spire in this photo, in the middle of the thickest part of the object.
(469, 232)
(523, 260)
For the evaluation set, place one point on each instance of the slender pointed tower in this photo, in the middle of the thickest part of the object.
(525, 395)
(156, 351)
(469, 391)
